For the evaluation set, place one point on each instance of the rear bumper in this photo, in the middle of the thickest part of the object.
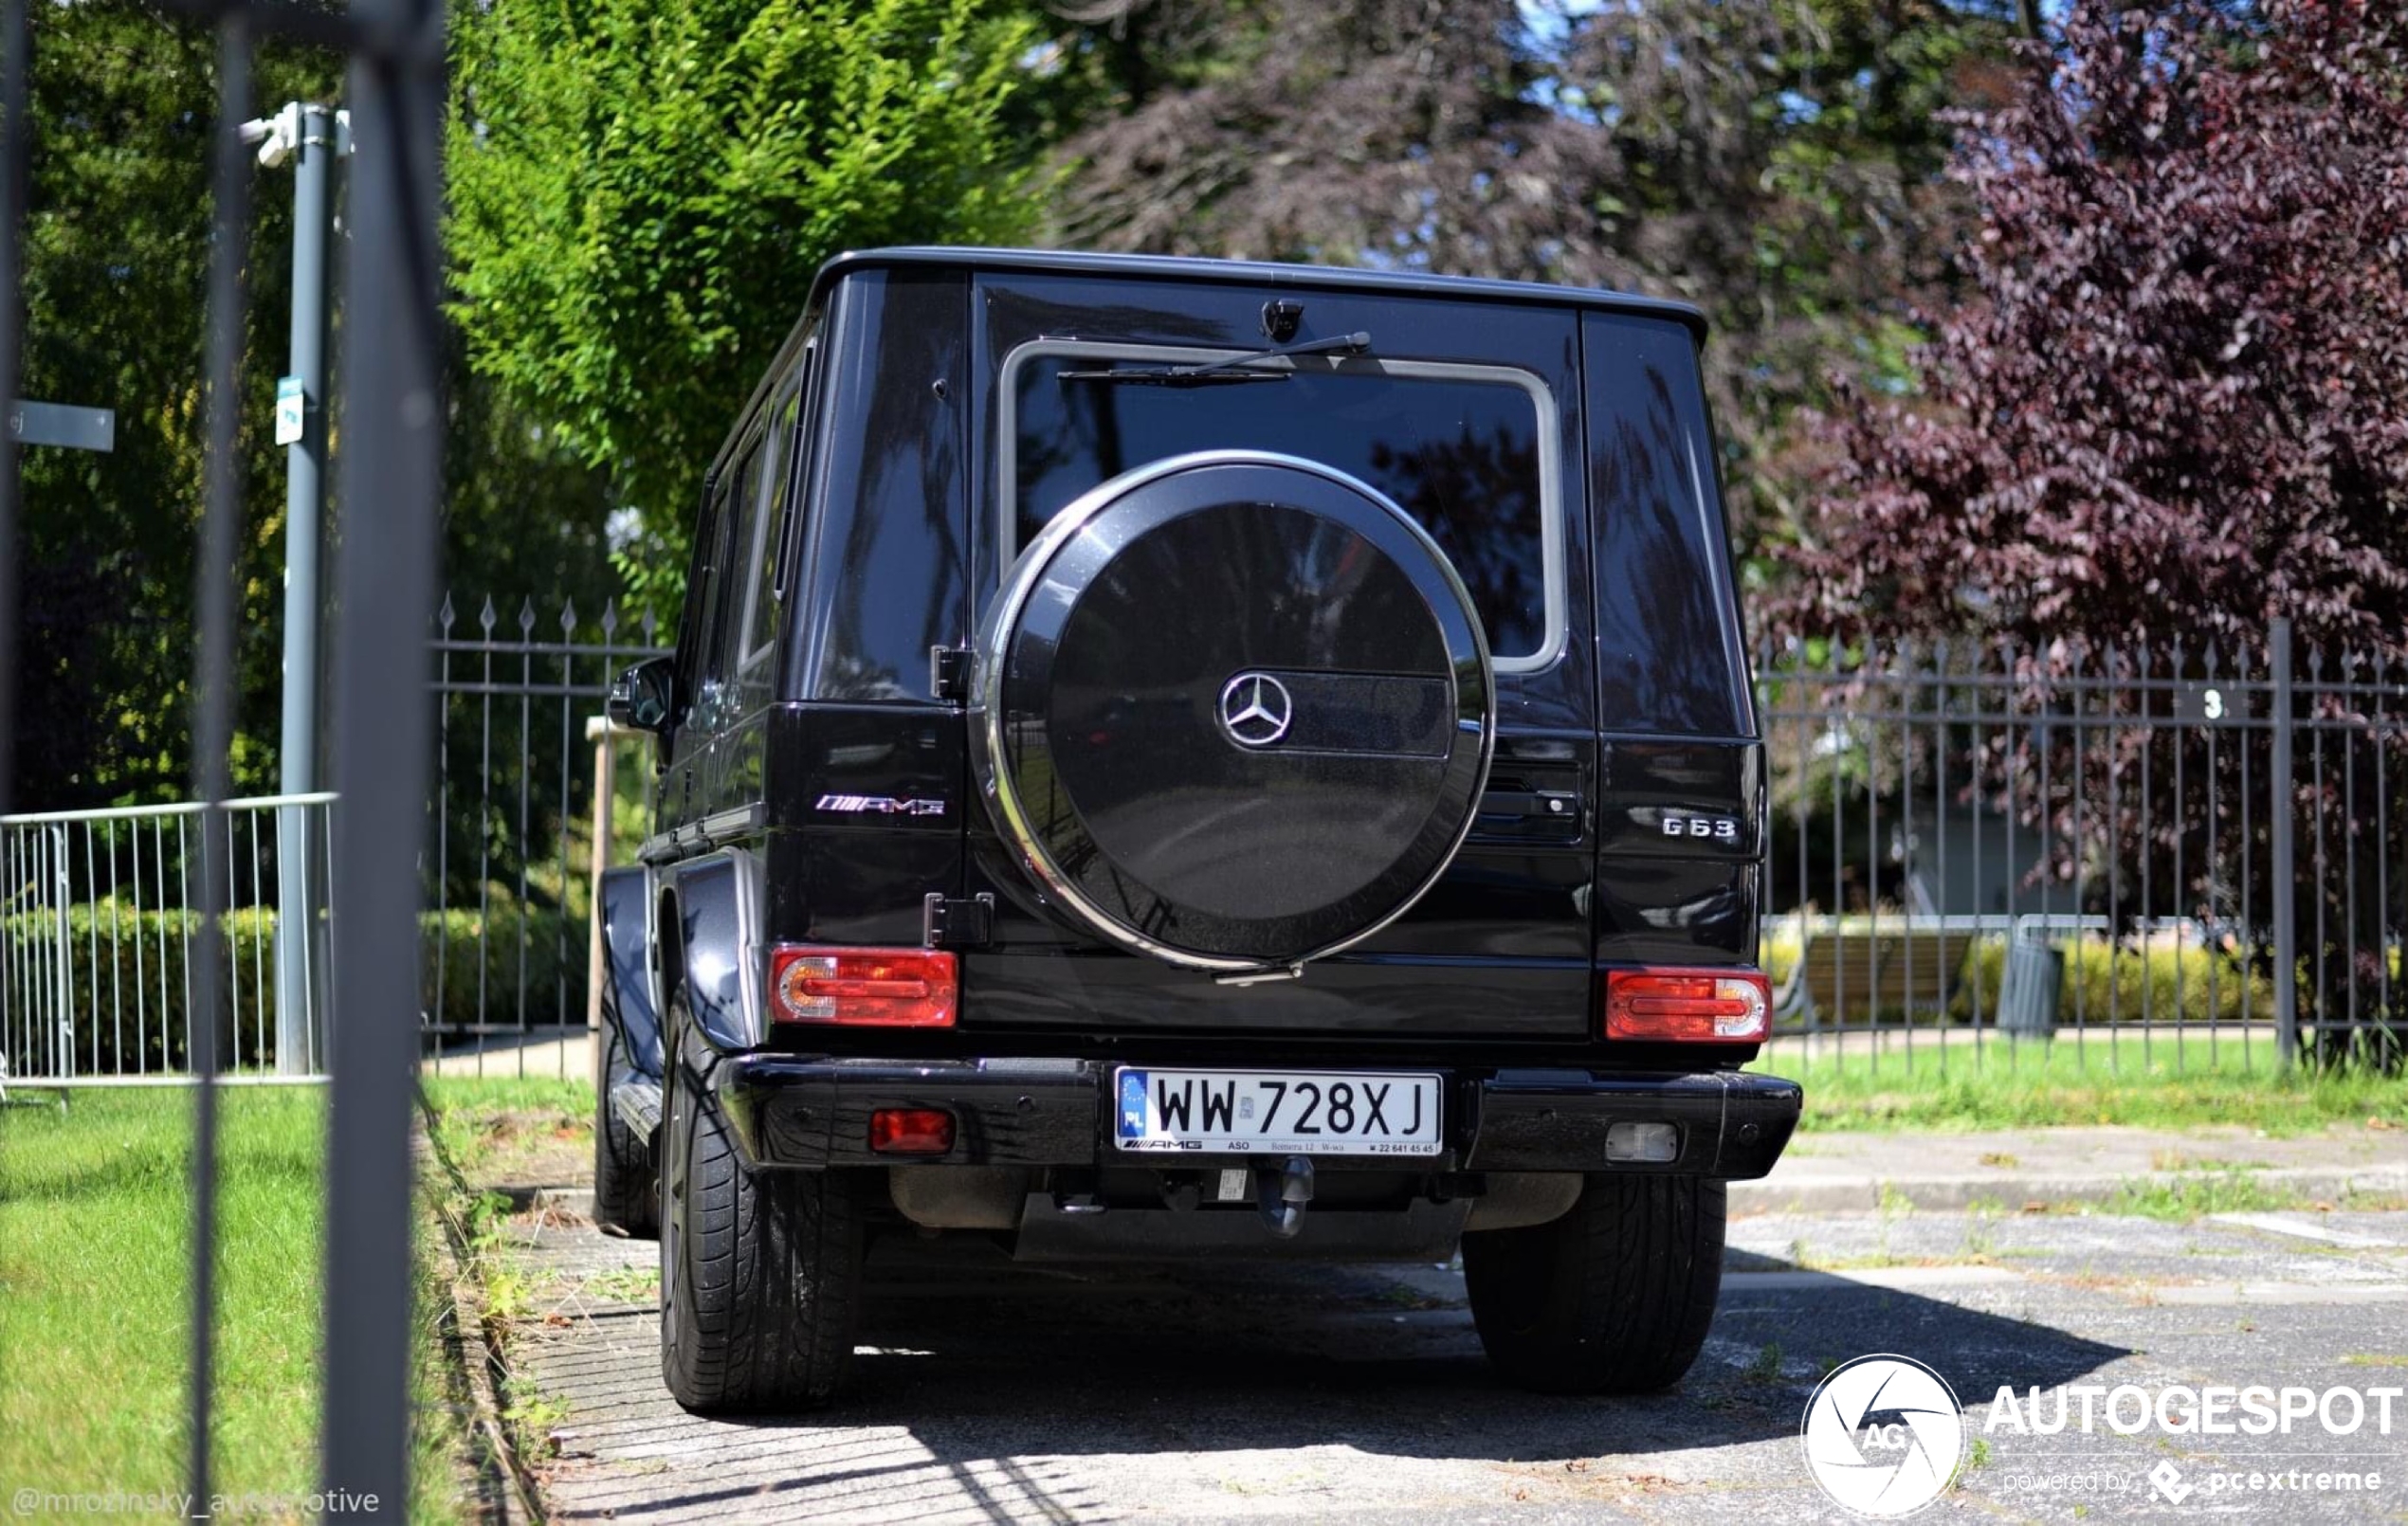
(794, 1111)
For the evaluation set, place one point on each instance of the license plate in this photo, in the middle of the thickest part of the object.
(1275, 1112)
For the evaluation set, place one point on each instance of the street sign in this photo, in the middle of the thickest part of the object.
(58, 424)
(292, 410)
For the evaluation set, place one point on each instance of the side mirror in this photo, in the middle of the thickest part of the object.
(641, 697)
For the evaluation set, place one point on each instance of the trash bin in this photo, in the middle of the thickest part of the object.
(2036, 978)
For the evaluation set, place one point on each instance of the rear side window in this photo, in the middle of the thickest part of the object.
(761, 626)
(1669, 643)
(723, 613)
(1468, 450)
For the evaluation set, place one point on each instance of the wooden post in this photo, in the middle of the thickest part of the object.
(599, 731)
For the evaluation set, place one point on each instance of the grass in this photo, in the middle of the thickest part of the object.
(2183, 1198)
(497, 1131)
(2003, 1087)
(487, 1126)
(94, 1320)
(95, 1253)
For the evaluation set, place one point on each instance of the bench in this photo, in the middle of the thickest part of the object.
(1864, 969)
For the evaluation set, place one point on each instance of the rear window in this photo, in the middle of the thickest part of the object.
(1470, 451)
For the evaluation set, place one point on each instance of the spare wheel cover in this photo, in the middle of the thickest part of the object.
(1234, 710)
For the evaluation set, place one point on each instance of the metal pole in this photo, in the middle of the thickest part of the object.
(2285, 867)
(213, 705)
(14, 178)
(304, 503)
(391, 466)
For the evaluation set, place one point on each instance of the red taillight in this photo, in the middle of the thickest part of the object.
(1689, 1006)
(911, 1131)
(878, 987)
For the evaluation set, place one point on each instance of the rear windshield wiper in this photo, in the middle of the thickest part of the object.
(1234, 369)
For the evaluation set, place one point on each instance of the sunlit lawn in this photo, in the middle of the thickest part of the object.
(95, 1315)
(95, 1319)
(2004, 1085)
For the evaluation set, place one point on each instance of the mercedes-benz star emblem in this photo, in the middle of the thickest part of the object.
(1256, 709)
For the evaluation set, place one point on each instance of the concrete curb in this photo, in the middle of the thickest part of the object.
(577, 1201)
(2012, 1190)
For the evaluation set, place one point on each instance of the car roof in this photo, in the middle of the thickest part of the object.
(1251, 272)
(974, 258)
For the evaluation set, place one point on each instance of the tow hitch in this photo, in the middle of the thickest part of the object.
(1282, 1194)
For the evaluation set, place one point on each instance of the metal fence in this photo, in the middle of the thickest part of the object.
(2170, 855)
(515, 826)
(100, 910)
(100, 917)
(1967, 845)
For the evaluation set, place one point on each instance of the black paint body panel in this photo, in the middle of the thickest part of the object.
(837, 794)
(814, 1112)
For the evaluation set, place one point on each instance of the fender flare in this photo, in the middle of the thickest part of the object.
(710, 947)
(629, 1004)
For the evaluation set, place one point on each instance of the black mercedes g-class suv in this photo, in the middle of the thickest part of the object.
(1173, 758)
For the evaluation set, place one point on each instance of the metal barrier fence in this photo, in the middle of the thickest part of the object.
(99, 921)
(2185, 856)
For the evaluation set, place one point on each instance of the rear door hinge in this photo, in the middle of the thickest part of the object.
(949, 673)
(957, 922)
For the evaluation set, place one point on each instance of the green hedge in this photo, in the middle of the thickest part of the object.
(126, 974)
(126, 979)
(2121, 984)
(464, 940)
(2105, 983)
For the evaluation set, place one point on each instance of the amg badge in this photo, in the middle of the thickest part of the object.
(881, 806)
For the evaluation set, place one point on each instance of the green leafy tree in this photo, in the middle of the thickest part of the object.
(640, 192)
(123, 101)
(116, 244)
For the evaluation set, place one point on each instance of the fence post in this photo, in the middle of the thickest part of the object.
(296, 919)
(62, 1008)
(2285, 867)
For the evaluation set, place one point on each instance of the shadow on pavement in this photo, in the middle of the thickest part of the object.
(981, 1356)
(990, 1390)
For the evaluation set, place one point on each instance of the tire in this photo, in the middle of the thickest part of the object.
(1615, 1296)
(626, 1188)
(760, 1271)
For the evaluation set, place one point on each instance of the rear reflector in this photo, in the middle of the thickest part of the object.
(1686, 1005)
(875, 988)
(911, 1131)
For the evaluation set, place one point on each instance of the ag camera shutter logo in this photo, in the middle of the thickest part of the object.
(1883, 1435)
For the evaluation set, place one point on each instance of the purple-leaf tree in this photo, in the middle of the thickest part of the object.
(2172, 409)
(2178, 402)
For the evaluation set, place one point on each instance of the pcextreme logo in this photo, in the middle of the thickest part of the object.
(1883, 1435)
